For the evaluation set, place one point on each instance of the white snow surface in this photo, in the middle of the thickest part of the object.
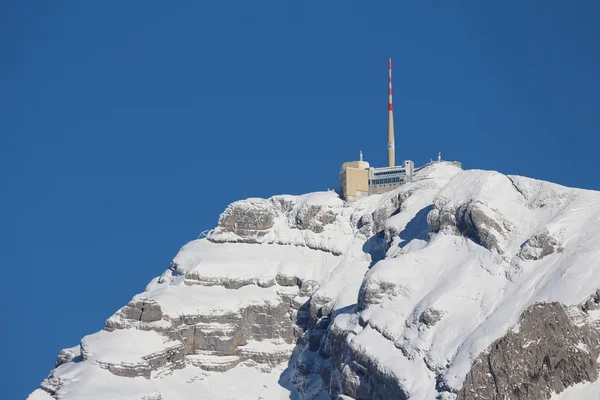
(580, 391)
(480, 292)
(125, 345)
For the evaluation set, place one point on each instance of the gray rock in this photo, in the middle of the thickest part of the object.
(153, 396)
(545, 354)
(308, 287)
(146, 310)
(314, 218)
(472, 221)
(592, 303)
(250, 214)
(433, 220)
(285, 280)
(270, 358)
(52, 384)
(225, 334)
(442, 220)
(66, 355)
(197, 278)
(356, 373)
(172, 358)
(431, 316)
(539, 246)
(139, 313)
(373, 292)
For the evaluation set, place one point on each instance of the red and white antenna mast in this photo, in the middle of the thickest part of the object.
(390, 144)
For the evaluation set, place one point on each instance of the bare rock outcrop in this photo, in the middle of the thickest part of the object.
(474, 220)
(146, 310)
(374, 291)
(539, 246)
(548, 351)
(248, 216)
(431, 316)
(67, 355)
(319, 221)
(355, 373)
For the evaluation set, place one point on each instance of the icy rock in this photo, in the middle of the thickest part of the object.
(592, 303)
(547, 353)
(433, 220)
(431, 316)
(474, 220)
(67, 355)
(248, 215)
(314, 217)
(142, 310)
(354, 372)
(444, 220)
(319, 221)
(131, 353)
(374, 291)
(539, 246)
(266, 352)
(223, 333)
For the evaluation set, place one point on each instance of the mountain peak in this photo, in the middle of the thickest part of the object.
(406, 294)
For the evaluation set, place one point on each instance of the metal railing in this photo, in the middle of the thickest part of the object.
(204, 234)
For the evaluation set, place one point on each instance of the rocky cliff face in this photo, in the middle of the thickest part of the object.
(549, 350)
(459, 285)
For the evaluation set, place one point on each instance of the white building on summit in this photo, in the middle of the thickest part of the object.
(358, 179)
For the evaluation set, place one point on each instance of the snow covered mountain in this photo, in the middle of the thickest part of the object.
(458, 285)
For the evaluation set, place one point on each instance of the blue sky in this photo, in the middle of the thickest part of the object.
(127, 127)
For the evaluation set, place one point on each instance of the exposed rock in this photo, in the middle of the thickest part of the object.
(474, 220)
(539, 246)
(145, 352)
(146, 310)
(285, 280)
(384, 211)
(433, 220)
(374, 291)
(52, 384)
(223, 334)
(431, 316)
(357, 374)
(268, 352)
(547, 352)
(67, 355)
(248, 215)
(228, 283)
(209, 361)
(592, 303)
(319, 221)
(314, 217)
(152, 396)
(444, 220)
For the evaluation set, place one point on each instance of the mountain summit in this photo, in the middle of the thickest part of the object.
(456, 285)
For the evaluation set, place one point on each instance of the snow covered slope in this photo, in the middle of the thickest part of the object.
(458, 285)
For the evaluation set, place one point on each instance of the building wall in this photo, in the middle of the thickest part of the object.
(382, 180)
(386, 187)
(354, 183)
(358, 180)
(409, 166)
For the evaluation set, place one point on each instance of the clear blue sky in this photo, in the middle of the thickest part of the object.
(127, 127)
